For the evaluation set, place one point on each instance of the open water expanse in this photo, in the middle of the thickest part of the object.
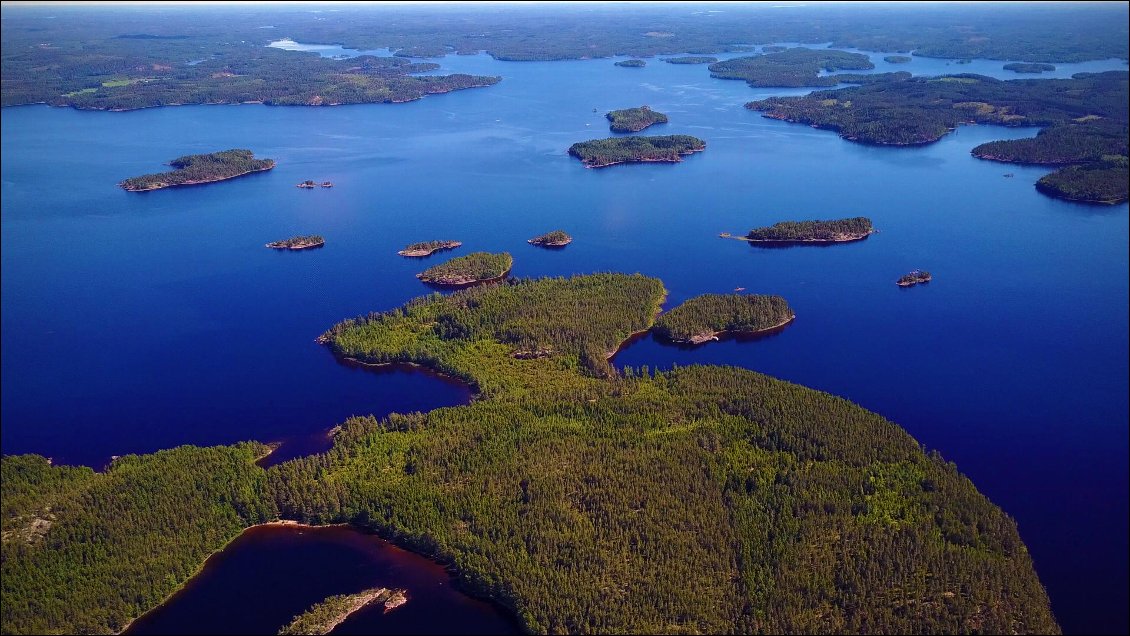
(139, 321)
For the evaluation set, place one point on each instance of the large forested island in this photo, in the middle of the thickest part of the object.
(473, 268)
(791, 67)
(707, 317)
(634, 119)
(1085, 118)
(195, 169)
(704, 499)
(800, 232)
(1029, 67)
(600, 153)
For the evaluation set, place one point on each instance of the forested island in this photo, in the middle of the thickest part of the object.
(323, 617)
(691, 59)
(298, 243)
(790, 67)
(1085, 120)
(477, 267)
(556, 238)
(196, 169)
(634, 119)
(600, 153)
(801, 232)
(687, 472)
(427, 248)
(914, 278)
(1029, 67)
(898, 59)
(632, 63)
(707, 317)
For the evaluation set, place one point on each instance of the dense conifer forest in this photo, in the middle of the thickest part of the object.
(790, 67)
(478, 266)
(704, 499)
(813, 231)
(703, 317)
(634, 119)
(599, 153)
(193, 169)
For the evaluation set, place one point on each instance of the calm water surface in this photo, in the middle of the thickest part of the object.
(133, 322)
(270, 574)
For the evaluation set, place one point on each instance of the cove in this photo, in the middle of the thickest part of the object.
(271, 573)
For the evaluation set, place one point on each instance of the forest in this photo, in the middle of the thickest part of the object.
(298, 242)
(1028, 67)
(813, 231)
(703, 499)
(1085, 118)
(555, 238)
(790, 67)
(691, 59)
(599, 153)
(703, 317)
(474, 267)
(193, 169)
(632, 120)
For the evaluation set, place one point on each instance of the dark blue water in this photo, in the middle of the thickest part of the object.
(270, 574)
(139, 321)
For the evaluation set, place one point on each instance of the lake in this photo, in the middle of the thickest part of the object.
(270, 574)
(139, 321)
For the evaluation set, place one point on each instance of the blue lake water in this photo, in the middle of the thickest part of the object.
(138, 321)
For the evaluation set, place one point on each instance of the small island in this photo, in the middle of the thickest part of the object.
(710, 316)
(196, 169)
(914, 278)
(298, 243)
(691, 59)
(323, 617)
(898, 59)
(632, 63)
(634, 119)
(308, 184)
(600, 153)
(556, 238)
(479, 267)
(1029, 67)
(809, 232)
(427, 248)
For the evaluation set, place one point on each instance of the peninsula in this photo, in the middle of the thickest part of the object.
(632, 63)
(600, 153)
(634, 119)
(697, 462)
(914, 278)
(691, 59)
(710, 316)
(298, 243)
(323, 617)
(807, 232)
(427, 248)
(556, 238)
(196, 169)
(478, 267)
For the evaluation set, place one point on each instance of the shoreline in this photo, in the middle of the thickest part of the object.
(678, 159)
(201, 182)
